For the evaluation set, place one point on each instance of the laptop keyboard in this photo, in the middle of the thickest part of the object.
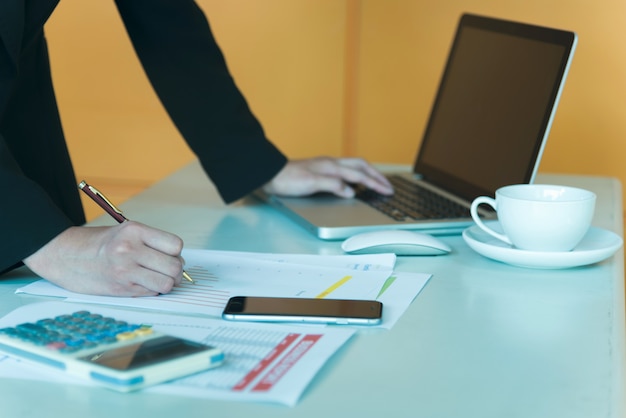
(411, 201)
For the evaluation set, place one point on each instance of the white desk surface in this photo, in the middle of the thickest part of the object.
(483, 339)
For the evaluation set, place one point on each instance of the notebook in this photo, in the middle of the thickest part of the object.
(488, 127)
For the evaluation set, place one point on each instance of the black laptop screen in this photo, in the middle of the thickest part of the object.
(494, 106)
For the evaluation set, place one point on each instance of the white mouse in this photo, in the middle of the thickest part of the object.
(400, 242)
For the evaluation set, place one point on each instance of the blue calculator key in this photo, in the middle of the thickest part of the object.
(108, 340)
(95, 337)
(8, 331)
(29, 327)
(70, 349)
(73, 332)
(73, 343)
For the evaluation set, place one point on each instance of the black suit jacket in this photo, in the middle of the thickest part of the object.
(38, 193)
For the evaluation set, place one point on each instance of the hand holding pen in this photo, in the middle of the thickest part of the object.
(112, 210)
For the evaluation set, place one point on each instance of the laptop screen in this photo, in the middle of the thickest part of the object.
(495, 105)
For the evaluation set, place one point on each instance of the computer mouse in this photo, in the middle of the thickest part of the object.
(400, 242)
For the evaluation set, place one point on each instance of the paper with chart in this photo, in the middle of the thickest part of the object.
(222, 274)
(263, 362)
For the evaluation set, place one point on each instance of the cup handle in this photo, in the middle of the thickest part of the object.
(474, 211)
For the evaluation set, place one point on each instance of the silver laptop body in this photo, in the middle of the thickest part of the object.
(488, 127)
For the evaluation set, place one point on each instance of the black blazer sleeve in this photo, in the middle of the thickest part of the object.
(38, 194)
(29, 218)
(188, 72)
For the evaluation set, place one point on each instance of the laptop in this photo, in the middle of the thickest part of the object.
(488, 127)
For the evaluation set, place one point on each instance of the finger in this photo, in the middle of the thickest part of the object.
(142, 273)
(368, 169)
(156, 261)
(136, 290)
(124, 279)
(162, 271)
(161, 241)
(357, 176)
(154, 282)
(120, 288)
(332, 184)
(354, 170)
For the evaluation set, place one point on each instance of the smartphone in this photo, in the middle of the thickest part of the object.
(307, 310)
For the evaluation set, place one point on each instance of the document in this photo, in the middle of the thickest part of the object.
(219, 275)
(263, 362)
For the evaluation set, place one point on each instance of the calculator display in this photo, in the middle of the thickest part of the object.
(110, 351)
(145, 353)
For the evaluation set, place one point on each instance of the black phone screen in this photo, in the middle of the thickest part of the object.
(306, 307)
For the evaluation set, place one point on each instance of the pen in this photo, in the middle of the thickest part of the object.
(112, 210)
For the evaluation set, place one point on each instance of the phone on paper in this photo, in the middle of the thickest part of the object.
(306, 310)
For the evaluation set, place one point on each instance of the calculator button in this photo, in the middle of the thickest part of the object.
(57, 345)
(78, 331)
(127, 335)
(69, 349)
(8, 331)
(73, 343)
(141, 331)
(31, 328)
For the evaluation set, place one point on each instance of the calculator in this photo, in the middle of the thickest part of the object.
(114, 353)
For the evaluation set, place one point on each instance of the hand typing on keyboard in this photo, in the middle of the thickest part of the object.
(324, 174)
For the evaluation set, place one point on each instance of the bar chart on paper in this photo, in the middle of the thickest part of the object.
(219, 275)
(207, 290)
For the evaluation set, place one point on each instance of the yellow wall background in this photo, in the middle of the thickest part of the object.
(333, 77)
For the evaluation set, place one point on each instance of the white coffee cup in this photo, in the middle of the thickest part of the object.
(539, 217)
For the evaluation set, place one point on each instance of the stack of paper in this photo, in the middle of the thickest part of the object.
(271, 375)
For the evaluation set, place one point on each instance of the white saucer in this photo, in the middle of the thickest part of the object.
(597, 245)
